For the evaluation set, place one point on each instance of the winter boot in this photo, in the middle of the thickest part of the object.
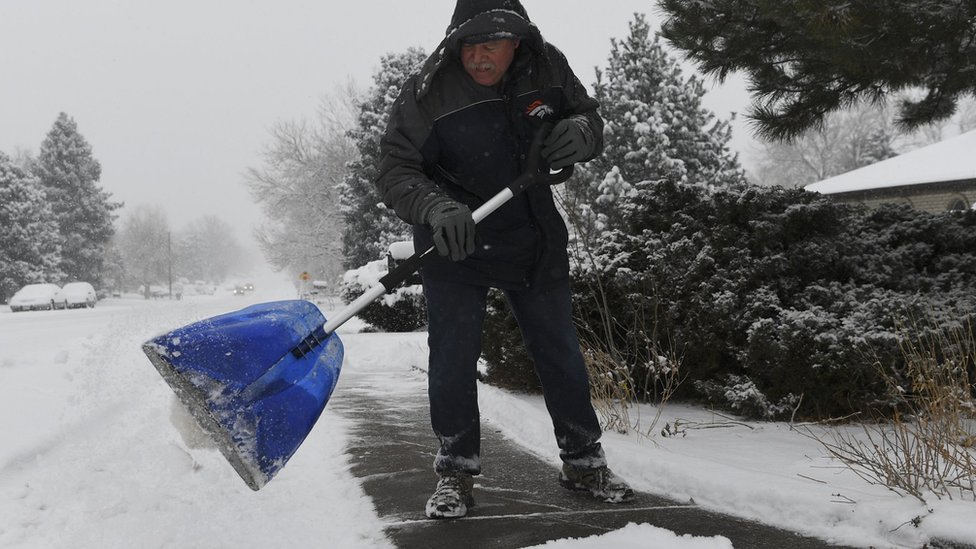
(598, 481)
(452, 497)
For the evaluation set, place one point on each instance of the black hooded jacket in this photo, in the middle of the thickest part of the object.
(449, 137)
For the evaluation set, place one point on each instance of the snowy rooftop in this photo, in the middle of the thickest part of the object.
(949, 160)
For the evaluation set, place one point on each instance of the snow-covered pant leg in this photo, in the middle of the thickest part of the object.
(545, 319)
(456, 314)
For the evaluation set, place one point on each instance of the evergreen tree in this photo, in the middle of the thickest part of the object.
(69, 175)
(805, 59)
(29, 249)
(656, 128)
(370, 226)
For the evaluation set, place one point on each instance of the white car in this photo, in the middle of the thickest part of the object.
(79, 294)
(37, 296)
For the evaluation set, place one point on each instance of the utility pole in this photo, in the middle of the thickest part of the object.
(169, 261)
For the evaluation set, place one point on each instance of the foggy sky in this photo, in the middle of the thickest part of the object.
(176, 98)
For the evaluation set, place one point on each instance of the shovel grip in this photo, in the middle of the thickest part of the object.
(409, 266)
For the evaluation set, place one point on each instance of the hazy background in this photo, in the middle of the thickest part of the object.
(176, 98)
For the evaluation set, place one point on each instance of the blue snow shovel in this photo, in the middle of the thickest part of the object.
(256, 380)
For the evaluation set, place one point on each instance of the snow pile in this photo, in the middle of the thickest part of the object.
(640, 536)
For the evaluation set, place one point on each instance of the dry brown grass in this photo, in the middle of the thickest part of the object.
(928, 447)
(616, 392)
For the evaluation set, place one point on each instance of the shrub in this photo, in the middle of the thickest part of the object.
(508, 363)
(771, 297)
(772, 294)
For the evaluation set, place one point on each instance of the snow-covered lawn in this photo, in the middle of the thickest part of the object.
(91, 457)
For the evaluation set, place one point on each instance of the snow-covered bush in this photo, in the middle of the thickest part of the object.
(508, 363)
(775, 299)
(403, 310)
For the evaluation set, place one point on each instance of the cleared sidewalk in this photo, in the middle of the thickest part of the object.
(518, 501)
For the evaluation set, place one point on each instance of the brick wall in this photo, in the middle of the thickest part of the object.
(931, 197)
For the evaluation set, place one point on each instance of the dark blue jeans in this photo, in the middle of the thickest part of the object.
(456, 313)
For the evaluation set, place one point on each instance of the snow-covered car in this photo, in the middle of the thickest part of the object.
(37, 296)
(79, 294)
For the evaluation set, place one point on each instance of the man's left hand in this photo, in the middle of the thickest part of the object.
(566, 145)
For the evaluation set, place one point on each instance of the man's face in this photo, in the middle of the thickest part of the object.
(488, 61)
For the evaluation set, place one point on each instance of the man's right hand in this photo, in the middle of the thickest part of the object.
(453, 229)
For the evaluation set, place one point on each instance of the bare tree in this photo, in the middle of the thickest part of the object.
(296, 187)
(209, 251)
(847, 140)
(143, 242)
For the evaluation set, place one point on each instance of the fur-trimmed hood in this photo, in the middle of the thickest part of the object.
(483, 18)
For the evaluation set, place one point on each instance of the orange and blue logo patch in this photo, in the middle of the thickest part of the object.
(539, 109)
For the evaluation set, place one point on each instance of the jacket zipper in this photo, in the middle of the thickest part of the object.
(513, 131)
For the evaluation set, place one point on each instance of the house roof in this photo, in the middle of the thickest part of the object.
(949, 160)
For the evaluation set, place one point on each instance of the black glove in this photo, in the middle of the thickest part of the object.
(566, 145)
(453, 229)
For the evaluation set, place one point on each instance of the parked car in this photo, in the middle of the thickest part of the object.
(79, 294)
(321, 293)
(37, 296)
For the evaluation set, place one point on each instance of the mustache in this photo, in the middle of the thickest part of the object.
(486, 66)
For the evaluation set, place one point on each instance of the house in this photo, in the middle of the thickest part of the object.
(937, 178)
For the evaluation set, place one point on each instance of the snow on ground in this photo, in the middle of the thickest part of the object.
(640, 536)
(766, 472)
(91, 456)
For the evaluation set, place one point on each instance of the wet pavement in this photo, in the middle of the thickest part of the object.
(518, 502)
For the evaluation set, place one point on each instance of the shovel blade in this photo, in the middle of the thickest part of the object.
(256, 380)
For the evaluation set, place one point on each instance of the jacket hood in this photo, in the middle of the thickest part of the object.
(488, 17)
(482, 20)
